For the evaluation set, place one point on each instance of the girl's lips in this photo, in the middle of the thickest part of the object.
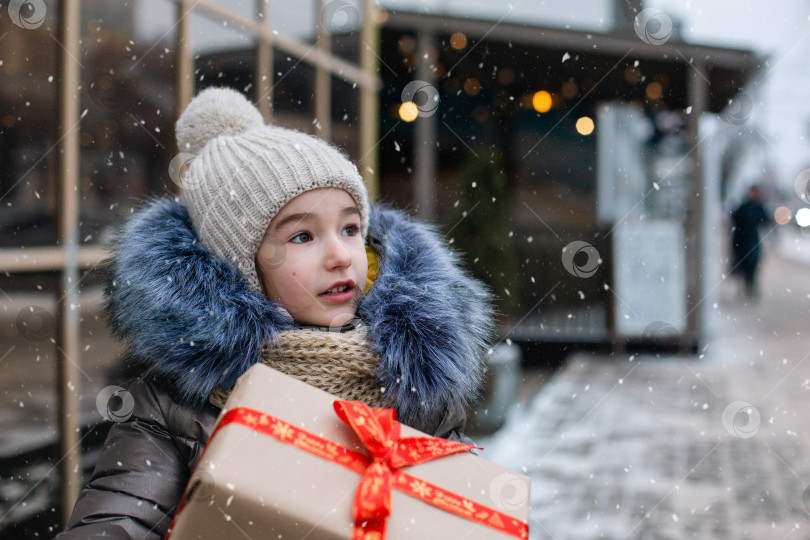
(339, 297)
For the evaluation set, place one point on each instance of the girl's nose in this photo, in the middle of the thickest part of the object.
(337, 254)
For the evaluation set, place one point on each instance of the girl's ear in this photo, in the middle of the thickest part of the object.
(373, 266)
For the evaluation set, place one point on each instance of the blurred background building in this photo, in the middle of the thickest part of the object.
(578, 160)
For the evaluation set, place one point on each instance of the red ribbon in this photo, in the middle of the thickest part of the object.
(380, 433)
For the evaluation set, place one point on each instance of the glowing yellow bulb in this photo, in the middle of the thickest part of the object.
(408, 111)
(541, 101)
(585, 126)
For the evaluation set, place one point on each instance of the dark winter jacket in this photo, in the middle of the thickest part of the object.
(747, 219)
(192, 322)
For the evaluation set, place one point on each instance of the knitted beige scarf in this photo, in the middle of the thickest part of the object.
(341, 363)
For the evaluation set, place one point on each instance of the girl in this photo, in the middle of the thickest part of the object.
(274, 255)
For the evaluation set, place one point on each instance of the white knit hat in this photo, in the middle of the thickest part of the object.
(244, 172)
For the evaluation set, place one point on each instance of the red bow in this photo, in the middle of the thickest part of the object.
(380, 433)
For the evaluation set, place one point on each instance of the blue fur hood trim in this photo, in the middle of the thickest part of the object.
(190, 319)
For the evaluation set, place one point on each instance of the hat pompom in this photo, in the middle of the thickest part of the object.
(212, 113)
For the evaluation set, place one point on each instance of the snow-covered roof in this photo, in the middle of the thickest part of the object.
(586, 15)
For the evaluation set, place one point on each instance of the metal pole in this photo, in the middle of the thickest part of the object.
(184, 81)
(698, 99)
(425, 143)
(184, 76)
(263, 80)
(369, 101)
(67, 340)
(323, 79)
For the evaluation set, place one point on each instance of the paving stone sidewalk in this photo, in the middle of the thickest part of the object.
(709, 447)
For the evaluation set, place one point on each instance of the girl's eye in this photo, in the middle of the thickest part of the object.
(301, 238)
(351, 230)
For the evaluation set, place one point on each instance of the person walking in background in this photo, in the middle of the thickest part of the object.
(746, 221)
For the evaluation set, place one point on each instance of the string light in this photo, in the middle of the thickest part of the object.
(541, 101)
(585, 125)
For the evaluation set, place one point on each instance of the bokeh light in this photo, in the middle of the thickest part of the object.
(481, 114)
(458, 41)
(379, 15)
(506, 76)
(408, 111)
(569, 90)
(585, 125)
(472, 86)
(782, 215)
(654, 91)
(803, 217)
(541, 101)
(632, 75)
(407, 44)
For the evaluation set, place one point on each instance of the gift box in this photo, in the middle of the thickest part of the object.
(289, 461)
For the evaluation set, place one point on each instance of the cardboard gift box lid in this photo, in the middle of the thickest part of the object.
(248, 484)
